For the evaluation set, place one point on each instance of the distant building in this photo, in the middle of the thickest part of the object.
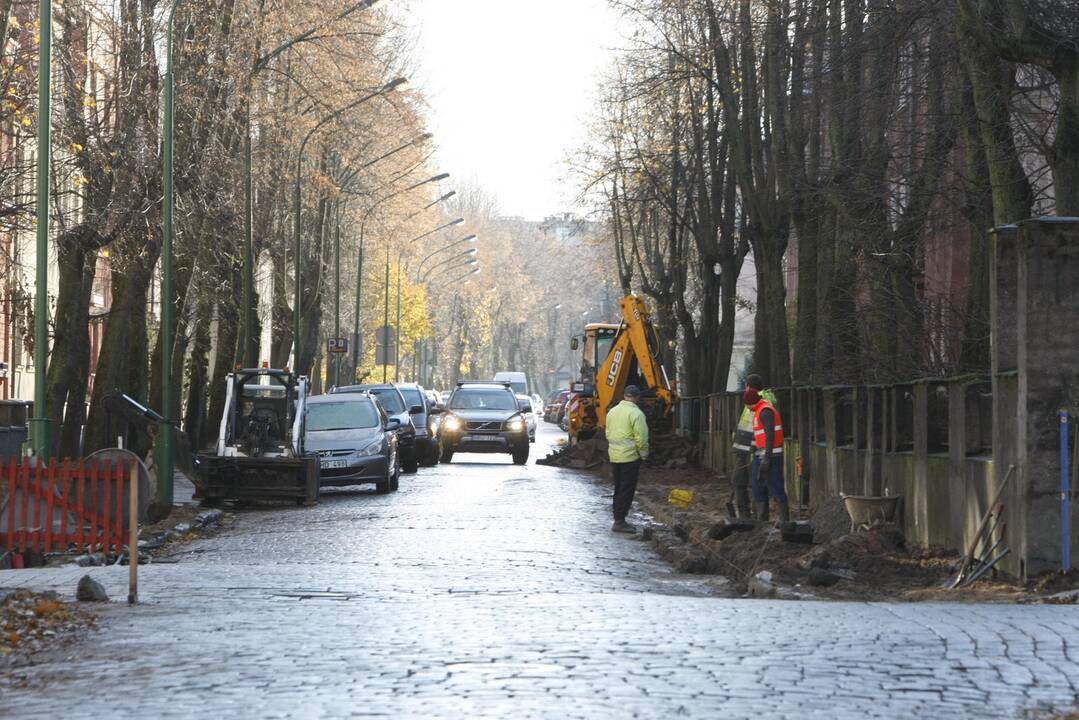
(568, 228)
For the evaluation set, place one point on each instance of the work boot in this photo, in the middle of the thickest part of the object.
(621, 526)
(784, 512)
(761, 510)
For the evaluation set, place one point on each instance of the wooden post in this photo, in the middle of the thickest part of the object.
(133, 541)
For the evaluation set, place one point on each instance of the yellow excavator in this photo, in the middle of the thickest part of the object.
(614, 356)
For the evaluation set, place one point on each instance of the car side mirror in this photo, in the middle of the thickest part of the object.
(573, 344)
(415, 410)
(439, 408)
(393, 424)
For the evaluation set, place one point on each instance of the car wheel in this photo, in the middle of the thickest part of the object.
(447, 454)
(410, 463)
(395, 480)
(520, 455)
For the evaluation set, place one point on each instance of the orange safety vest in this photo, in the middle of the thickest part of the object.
(759, 436)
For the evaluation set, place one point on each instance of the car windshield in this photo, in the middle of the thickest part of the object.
(519, 387)
(412, 396)
(390, 399)
(468, 399)
(348, 415)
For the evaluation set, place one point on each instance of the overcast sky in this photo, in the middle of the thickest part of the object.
(510, 85)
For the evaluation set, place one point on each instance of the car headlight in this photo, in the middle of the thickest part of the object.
(373, 449)
(452, 423)
(515, 424)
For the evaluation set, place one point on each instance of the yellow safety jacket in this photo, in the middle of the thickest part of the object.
(627, 433)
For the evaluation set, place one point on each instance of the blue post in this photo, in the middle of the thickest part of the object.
(1065, 495)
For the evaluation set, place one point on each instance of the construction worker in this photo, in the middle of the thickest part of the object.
(743, 448)
(627, 446)
(767, 472)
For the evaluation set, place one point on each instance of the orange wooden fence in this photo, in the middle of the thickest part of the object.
(70, 506)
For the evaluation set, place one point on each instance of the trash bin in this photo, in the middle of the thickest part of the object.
(11, 441)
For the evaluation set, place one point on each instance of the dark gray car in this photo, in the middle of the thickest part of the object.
(428, 447)
(393, 402)
(484, 417)
(355, 441)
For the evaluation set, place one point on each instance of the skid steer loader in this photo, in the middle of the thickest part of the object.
(259, 454)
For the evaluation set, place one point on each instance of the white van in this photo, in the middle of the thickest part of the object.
(517, 380)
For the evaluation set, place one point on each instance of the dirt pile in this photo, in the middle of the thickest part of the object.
(667, 450)
(587, 455)
(874, 564)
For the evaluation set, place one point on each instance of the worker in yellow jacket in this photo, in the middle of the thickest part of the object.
(627, 446)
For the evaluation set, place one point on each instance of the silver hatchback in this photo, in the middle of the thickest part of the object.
(354, 439)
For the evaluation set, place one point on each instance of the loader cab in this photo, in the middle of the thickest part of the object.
(598, 339)
(264, 412)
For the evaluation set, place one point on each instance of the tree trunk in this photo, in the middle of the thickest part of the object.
(228, 321)
(69, 369)
(195, 412)
(122, 364)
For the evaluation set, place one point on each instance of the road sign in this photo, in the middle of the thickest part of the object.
(386, 349)
(337, 345)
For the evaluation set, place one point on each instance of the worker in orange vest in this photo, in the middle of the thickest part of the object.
(767, 472)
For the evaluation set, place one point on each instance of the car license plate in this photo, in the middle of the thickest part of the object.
(332, 464)
(482, 438)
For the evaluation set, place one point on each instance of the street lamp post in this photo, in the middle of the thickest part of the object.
(467, 253)
(345, 181)
(40, 430)
(297, 311)
(249, 342)
(466, 277)
(469, 238)
(359, 259)
(397, 326)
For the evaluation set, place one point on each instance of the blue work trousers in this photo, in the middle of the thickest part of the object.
(771, 486)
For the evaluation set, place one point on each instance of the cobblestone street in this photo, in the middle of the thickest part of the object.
(486, 589)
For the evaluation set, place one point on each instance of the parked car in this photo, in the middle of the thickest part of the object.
(355, 441)
(434, 420)
(554, 411)
(484, 417)
(525, 402)
(393, 402)
(428, 449)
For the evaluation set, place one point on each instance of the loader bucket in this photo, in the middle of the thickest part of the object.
(254, 479)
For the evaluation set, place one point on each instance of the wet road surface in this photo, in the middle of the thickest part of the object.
(485, 589)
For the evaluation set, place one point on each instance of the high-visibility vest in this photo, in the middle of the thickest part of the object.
(759, 435)
(743, 434)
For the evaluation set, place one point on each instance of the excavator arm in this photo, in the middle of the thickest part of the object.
(635, 341)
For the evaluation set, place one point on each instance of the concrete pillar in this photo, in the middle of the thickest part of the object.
(1045, 255)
